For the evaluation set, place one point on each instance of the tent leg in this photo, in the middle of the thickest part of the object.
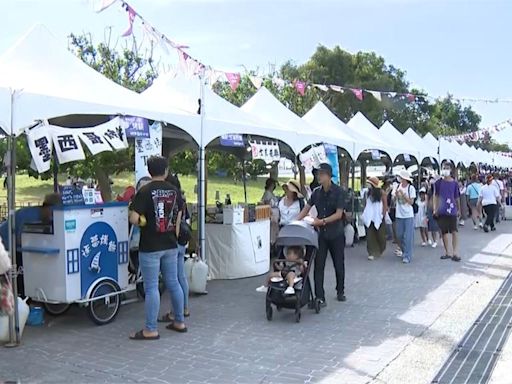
(202, 178)
(14, 329)
(55, 176)
(244, 180)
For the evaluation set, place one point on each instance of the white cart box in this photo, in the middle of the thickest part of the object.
(233, 215)
(88, 244)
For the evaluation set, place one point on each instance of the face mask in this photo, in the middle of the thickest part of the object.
(445, 172)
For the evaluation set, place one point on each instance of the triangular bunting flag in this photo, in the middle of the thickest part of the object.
(131, 19)
(391, 94)
(411, 98)
(358, 93)
(256, 81)
(280, 83)
(233, 79)
(321, 87)
(337, 88)
(104, 5)
(376, 94)
(300, 87)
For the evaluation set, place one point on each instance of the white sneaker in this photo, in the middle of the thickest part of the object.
(405, 261)
(481, 225)
(475, 227)
(429, 242)
(371, 257)
(398, 253)
(423, 244)
(276, 279)
(434, 244)
(262, 289)
(296, 280)
(289, 291)
(461, 223)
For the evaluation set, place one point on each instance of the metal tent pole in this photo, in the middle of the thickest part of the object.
(14, 329)
(202, 176)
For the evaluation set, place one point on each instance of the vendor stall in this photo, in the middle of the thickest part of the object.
(80, 257)
(238, 241)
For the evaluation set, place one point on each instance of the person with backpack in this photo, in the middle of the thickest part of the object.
(291, 204)
(447, 210)
(374, 214)
(406, 207)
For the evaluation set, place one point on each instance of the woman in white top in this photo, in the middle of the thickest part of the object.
(405, 196)
(373, 217)
(489, 198)
(291, 204)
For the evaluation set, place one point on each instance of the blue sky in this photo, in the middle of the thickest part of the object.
(461, 47)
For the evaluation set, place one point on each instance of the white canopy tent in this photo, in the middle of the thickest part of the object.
(427, 149)
(322, 118)
(265, 106)
(392, 134)
(46, 81)
(220, 117)
(365, 130)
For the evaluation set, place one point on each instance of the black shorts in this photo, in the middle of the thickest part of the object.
(447, 224)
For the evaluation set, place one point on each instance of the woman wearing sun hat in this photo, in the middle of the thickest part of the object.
(373, 217)
(291, 204)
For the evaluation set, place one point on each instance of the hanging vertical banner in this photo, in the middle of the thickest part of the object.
(145, 148)
(266, 151)
(67, 144)
(114, 134)
(331, 152)
(40, 144)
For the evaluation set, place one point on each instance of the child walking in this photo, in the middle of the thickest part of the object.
(421, 217)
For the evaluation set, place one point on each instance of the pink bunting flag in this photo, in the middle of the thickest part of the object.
(234, 80)
(358, 93)
(183, 58)
(104, 5)
(131, 19)
(411, 98)
(300, 87)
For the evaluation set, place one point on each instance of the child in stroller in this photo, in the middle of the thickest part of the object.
(290, 269)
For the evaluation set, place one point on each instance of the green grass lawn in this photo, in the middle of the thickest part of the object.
(30, 190)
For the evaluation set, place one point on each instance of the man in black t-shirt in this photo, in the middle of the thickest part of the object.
(329, 200)
(157, 208)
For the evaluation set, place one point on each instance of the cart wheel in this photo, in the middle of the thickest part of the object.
(297, 316)
(269, 311)
(103, 311)
(56, 309)
(317, 306)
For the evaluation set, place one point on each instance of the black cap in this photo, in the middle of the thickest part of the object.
(325, 168)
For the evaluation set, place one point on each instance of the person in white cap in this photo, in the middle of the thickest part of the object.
(405, 195)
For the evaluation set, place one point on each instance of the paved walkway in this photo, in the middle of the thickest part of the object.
(398, 326)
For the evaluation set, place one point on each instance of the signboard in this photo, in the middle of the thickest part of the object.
(71, 195)
(133, 126)
(232, 140)
(266, 151)
(313, 158)
(145, 148)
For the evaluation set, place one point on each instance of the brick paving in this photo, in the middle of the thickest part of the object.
(390, 305)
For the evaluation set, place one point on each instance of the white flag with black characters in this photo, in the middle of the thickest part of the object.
(94, 139)
(113, 133)
(40, 143)
(67, 144)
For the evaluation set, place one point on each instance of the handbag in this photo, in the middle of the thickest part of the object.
(185, 233)
(6, 296)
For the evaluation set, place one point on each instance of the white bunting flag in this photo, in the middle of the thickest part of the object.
(391, 94)
(256, 81)
(40, 144)
(376, 94)
(67, 144)
(321, 87)
(337, 88)
(280, 83)
(113, 133)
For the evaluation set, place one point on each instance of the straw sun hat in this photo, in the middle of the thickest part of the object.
(373, 181)
(293, 186)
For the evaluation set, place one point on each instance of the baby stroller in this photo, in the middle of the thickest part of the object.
(295, 234)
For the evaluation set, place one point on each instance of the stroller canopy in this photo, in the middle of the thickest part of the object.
(297, 233)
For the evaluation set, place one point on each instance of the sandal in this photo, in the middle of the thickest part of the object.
(169, 317)
(172, 327)
(140, 336)
(456, 258)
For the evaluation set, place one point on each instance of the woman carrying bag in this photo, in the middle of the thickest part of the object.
(374, 216)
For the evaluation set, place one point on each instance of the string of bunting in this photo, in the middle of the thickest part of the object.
(191, 66)
(481, 134)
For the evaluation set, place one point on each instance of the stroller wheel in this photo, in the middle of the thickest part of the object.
(269, 311)
(297, 316)
(317, 306)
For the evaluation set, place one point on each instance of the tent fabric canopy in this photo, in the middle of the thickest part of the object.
(389, 131)
(265, 106)
(426, 149)
(364, 128)
(49, 81)
(220, 117)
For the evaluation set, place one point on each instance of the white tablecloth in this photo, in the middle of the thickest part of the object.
(237, 251)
